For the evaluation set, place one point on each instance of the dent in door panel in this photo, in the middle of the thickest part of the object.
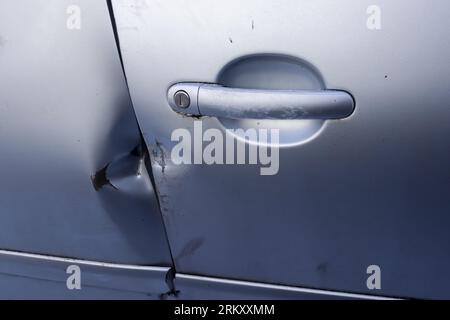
(65, 113)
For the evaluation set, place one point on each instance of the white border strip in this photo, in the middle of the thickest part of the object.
(192, 277)
(82, 262)
(282, 288)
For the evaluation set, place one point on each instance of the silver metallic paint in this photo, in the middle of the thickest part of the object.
(65, 113)
(370, 189)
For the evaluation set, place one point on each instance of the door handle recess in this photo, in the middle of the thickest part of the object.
(204, 99)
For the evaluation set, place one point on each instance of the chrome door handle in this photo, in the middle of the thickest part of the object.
(203, 99)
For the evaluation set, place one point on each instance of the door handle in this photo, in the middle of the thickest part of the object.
(204, 99)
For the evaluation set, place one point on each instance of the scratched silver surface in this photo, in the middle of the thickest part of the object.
(65, 113)
(370, 189)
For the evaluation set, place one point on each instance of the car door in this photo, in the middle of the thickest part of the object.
(361, 183)
(70, 194)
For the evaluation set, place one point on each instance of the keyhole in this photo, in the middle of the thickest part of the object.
(182, 99)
